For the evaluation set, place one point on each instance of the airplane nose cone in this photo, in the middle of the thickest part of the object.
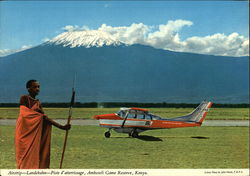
(105, 116)
(96, 117)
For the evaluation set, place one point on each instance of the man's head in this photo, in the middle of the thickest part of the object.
(33, 87)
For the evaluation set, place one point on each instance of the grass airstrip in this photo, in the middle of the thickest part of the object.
(198, 147)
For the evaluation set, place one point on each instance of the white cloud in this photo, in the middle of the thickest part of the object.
(106, 5)
(218, 44)
(70, 28)
(6, 52)
(46, 39)
(24, 47)
(133, 34)
(167, 36)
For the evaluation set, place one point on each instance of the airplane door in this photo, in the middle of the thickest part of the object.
(145, 120)
(148, 123)
(148, 119)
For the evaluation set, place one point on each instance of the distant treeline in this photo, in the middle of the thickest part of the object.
(118, 104)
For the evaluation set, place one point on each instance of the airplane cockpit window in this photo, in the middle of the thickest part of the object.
(121, 113)
(140, 116)
(132, 115)
(154, 117)
(148, 117)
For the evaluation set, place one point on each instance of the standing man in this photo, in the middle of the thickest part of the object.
(33, 131)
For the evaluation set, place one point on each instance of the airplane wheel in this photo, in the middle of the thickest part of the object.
(107, 134)
(134, 134)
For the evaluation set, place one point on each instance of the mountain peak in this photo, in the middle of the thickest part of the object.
(85, 38)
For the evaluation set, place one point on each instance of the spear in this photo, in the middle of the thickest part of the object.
(68, 122)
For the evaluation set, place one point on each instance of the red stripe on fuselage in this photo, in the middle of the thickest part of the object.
(157, 124)
(125, 126)
(172, 124)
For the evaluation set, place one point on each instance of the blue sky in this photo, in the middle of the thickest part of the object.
(30, 23)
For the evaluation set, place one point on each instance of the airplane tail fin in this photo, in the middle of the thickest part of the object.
(198, 115)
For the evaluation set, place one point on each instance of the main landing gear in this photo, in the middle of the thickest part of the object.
(133, 134)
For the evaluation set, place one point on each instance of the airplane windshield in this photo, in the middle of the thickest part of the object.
(121, 113)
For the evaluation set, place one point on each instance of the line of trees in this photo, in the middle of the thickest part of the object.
(131, 104)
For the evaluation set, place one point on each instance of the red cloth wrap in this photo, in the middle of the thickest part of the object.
(33, 136)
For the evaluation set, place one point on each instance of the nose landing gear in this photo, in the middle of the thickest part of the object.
(107, 134)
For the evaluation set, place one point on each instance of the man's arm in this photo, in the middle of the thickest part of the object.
(63, 127)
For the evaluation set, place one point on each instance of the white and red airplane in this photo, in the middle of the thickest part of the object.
(136, 120)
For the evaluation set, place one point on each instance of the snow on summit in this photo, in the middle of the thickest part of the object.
(87, 39)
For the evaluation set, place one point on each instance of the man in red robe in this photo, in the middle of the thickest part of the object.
(33, 131)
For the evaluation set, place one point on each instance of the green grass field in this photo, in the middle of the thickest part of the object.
(87, 113)
(198, 147)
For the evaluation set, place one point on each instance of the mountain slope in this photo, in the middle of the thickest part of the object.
(121, 73)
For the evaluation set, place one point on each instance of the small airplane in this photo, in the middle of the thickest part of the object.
(136, 120)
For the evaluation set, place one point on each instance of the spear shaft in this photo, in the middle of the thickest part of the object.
(68, 122)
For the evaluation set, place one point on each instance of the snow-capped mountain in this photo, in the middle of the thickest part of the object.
(109, 71)
(93, 38)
